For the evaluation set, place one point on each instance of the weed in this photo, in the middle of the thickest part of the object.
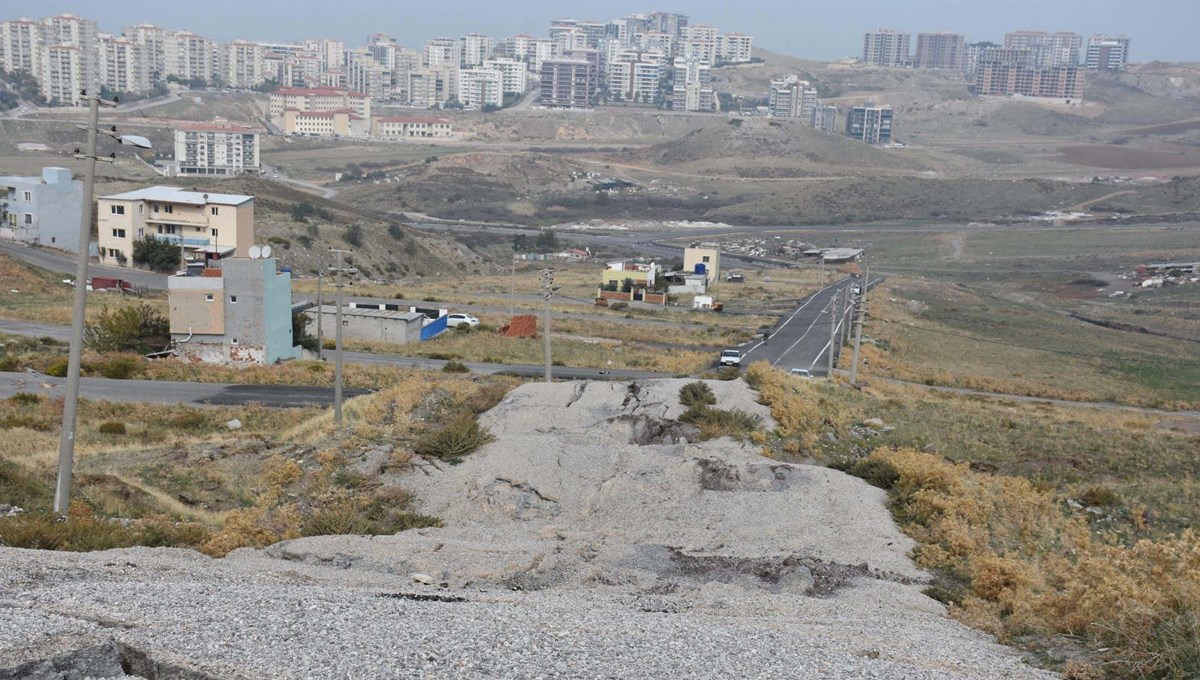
(695, 393)
(455, 367)
(875, 472)
(459, 438)
(111, 427)
(119, 368)
(58, 369)
(25, 398)
(715, 422)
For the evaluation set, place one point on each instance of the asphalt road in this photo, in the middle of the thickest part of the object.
(801, 339)
(173, 392)
(65, 264)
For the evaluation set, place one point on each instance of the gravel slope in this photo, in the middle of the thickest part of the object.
(589, 540)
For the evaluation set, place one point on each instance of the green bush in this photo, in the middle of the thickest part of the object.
(455, 367)
(58, 369)
(695, 393)
(618, 306)
(141, 329)
(395, 231)
(25, 398)
(9, 364)
(120, 368)
(353, 235)
(874, 471)
(715, 422)
(111, 427)
(452, 442)
(155, 254)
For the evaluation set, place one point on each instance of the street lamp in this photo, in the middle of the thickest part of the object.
(66, 444)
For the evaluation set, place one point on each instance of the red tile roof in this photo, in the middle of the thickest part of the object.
(317, 92)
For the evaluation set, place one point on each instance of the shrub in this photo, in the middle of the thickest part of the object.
(695, 393)
(455, 367)
(618, 306)
(58, 369)
(25, 398)
(9, 364)
(875, 472)
(455, 440)
(111, 427)
(119, 368)
(141, 329)
(82, 531)
(395, 231)
(353, 235)
(155, 254)
(715, 422)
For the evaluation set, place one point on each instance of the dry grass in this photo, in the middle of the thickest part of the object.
(32, 294)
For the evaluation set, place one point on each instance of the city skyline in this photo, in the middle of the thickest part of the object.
(824, 32)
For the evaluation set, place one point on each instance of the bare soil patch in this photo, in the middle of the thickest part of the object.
(1123, 158)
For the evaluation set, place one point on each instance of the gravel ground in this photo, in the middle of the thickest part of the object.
(589, 540)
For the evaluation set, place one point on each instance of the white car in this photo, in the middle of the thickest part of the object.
(456, 320)
(731, 357)
(801, 372)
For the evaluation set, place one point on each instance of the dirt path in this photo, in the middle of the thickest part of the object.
(1087, 204)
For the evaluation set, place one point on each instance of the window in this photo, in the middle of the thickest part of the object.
(214, 211)
(29, 219)
(118, 233)
(706, 258)
(208, 297)
(28, 196)
(114, 253)
(233, 299)
(234, 342)
(168, 209)
(117, 209)
(214, 233)
(141, 208)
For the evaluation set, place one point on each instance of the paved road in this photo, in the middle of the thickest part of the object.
(65, 264)
(801, 339)
(173, 392)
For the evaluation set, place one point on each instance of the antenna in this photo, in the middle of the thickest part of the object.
(255, 252)
(266, 252)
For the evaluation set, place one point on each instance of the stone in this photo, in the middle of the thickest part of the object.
(873, 423)
(234, 424)
(424, 579)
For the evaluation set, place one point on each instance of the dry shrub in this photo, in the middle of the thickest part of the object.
(83, 531)
(715, 422)
(697, 393)
(796, 411)
(455, 440)
(269, 521)
(111, 427)
(1029, 567)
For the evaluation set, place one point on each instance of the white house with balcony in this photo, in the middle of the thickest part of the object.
(207, 226)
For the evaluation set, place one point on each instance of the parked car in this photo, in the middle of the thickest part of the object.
(801, 372)
(731, 357)
(459, 319)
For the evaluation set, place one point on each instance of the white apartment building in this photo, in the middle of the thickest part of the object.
(442, 52)
(318, 100)
(514, 74)
(635, 76)
(476, 49)
(213, 149)
(73, 31)
(241, 63)
(22, 45)
(62, 78)
(699, 41)
(188, 56)
(206, 226)
(411, 127)
(479, 87)
(886, 47)
(735, 48)
(1050, 50)
(365, 74)
(1107, 52)
(792, 97)
(152, 42)
(693, 89)
(123, 67)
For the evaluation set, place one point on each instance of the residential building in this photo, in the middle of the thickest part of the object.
(394, 326)
(973, 53)
(735, 48)
(886, 47)
(188, 56)
(62, 78)
(121, 63)
(1107, 52)
(215, 150)
(824, 118)
(22, 43)
(999, 79)
(693, 89)
(940, 50)
(476, 48)
(792, 97)
(870, 124)
(635, 76)
(240, 64)
(152, 42)
(1050, 50)
(703, 258)
(68, 30)
(410, 127)
(668, 23)
(318, 100)
(338, 123)
(514, 74)
(239, 311)
(699, 41)
(442, 52)
(639, 274)
(367, 75)
(44, 210)
(206, 226)
(479, 88)
(567, 83)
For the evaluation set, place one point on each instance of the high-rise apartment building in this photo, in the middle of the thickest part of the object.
(940, 50)
(870, 124)
(567, 83)
(1107, 52)
(886, 47)
(699, 41)
(514, 75)
(152, 47)
(442, 52)
(215, 150)
(62, 77)
(999, 79)
(188, 56)
(635, 76)
(241, 64)
(476, 49)
(792, 97)
(479, 88)
(68, 30)
(1050, 50)
(735, 48)
(973, 53)
(693, 89)
(22, 46)
(122, 65)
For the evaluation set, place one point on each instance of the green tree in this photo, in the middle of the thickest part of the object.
(155, 254)
(300, 334)
(140, 329)
(520, 243)
(546, 242)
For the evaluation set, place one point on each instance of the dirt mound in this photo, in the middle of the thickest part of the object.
(522, 326)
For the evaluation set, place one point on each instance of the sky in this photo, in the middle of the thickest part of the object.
(826, 29)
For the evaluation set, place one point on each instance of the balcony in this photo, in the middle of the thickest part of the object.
(175, 239)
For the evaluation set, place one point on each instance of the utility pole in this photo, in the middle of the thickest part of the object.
(833, 305)
(512, 291)
(66, 443)
(862, 312)
(337, 359)
(548, 289)
(320, 316)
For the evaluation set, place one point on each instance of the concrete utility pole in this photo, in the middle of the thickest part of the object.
(337, 359)
(862, 312)
(547, 292)
(320, 326)
(833, 305)
(512, 291)
(66, 443)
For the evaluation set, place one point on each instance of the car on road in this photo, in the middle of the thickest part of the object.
(460, 319)
(731, 357)
(801, 372)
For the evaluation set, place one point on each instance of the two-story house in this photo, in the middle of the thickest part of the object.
(207, 226)
(42, 210)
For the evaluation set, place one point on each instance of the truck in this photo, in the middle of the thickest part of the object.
(731, 357)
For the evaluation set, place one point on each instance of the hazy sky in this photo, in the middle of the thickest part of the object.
(824, 29)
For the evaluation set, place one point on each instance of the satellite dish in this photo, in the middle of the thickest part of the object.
(266, 252)
(255, 252)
